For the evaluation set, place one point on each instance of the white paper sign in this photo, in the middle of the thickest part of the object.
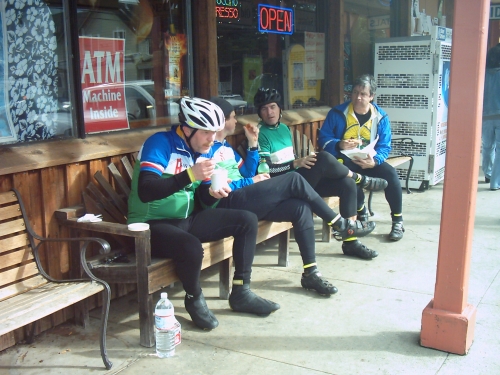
(314, 45)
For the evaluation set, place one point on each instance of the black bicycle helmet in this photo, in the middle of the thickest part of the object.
(265, 96)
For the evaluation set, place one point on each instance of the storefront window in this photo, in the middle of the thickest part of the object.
(272, 44)
(133, 62)
(33, 73)
(365, 21)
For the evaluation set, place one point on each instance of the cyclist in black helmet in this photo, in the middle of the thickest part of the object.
(163, 185)
(324, 172)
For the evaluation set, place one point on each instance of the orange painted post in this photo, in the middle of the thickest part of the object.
(448, 321)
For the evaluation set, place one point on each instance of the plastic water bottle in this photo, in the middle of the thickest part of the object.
(167, 328)
(263, 166)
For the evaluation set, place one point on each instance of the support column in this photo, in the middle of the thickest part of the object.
(206, 67)
(448, 321)
(334, 90)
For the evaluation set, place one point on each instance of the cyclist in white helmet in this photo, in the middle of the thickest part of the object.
(165, 178)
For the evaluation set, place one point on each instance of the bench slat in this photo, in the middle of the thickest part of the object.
(35, 304)
(217, 251)
(7, 197)
(269, 229)
(117, 200)
(397, 160)
(8, 212)
(15, 257)
(97, 199)
(11, 243)
(11, 227)
(22, 287)
(22, 272)
(128, 167)
(120, 181)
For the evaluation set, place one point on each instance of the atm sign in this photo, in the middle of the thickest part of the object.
(275, 19)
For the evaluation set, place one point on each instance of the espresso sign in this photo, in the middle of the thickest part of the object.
(275, 20)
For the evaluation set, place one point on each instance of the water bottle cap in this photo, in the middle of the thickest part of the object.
(164, 295)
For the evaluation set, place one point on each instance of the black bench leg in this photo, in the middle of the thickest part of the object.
(370, 196)
(284, 240)
(104, 323)
(408, 173)
(225, 269)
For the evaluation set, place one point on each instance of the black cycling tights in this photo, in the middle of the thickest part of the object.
(287, 197)
(180, 239)
(329, 178)
(393, 191)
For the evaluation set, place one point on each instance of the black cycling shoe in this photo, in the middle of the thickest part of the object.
(199, 312)
(363, 217)
(397, 231)
(314, 281)
(357, 249)
(242, 299)
(374, 183)
(353, 229)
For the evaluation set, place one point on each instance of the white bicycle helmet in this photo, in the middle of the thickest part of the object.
(201, 114)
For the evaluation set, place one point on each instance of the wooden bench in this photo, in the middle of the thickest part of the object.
(150, 274)
(27, 292)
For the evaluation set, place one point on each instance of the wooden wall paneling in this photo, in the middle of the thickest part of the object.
(315, 126)
(5, 183)
(53, 197)
(52, 194)
(76, 179)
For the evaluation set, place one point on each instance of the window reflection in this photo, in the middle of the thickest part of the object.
(153, 59)
(249, 59)
(34, 101)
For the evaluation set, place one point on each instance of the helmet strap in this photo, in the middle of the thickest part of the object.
(188, 137)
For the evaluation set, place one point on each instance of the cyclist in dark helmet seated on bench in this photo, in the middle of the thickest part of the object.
(321, 170)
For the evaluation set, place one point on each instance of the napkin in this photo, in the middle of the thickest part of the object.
(90, 218)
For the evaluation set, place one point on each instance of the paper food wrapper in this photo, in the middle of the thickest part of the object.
(362, 154)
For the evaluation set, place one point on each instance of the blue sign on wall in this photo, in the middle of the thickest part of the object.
(495, 12)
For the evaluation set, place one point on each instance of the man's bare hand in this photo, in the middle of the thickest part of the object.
(219, 194)
(305, 162)
(349, 144)
(252, 134)
(202, 170)
(366, 163)
(261, 177)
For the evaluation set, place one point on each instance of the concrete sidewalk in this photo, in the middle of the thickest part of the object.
(371, 326)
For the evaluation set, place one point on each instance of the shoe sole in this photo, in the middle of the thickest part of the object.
(247, 312)
(321, 294)
(357, 256)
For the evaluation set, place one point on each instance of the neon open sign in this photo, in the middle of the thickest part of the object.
(275, 19)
